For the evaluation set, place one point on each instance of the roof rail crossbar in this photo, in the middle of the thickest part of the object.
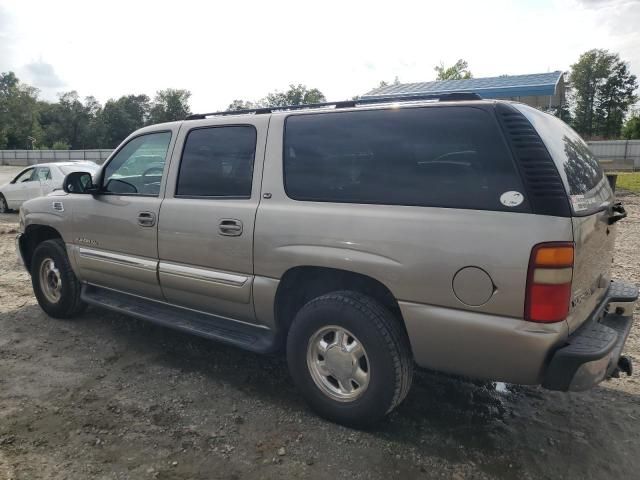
(446, 97)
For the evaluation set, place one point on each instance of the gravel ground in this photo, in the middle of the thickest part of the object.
(108, 397)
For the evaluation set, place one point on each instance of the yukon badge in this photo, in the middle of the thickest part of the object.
(86, 241)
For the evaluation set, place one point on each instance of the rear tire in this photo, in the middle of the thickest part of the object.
(351, 390)
(54, 284)
(4, 207)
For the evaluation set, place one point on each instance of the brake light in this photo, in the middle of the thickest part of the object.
(549, 277)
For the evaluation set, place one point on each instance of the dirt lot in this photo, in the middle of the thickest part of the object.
(106, 396)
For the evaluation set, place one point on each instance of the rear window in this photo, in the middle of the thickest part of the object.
(430, 156)
(579, 168)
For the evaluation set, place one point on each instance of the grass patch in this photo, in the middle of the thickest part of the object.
(629, 181)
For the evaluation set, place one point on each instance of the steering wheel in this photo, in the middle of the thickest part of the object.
(149, 170)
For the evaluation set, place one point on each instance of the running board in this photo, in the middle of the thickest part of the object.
(243, 335)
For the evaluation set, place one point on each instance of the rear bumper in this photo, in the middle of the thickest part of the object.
(480, 345)
(592, 352)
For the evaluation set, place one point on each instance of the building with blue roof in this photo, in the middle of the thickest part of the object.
(541, 90)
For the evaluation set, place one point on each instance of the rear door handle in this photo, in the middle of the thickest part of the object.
(230, 227)
(146, 219)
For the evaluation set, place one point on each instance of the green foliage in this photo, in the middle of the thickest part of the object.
(629, 181)
(19, 115)
(458, 71)
(563, 112)
(295, 95)
(242, 105)
(60, 146)
(70, 121)
(170, 105)
(602, 92)
(631, 129)
(122, 116)
(74, 122)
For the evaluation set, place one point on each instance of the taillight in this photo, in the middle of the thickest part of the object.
(549, 282)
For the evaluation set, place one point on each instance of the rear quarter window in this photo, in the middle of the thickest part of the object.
(452, 157)
(581, 173)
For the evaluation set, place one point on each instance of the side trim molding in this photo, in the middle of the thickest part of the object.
(203, 274)
(118, 258)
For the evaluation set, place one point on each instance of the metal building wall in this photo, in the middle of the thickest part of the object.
(612, 154)
(617, 154)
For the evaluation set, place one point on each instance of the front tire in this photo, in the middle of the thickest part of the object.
(350, 357)
(54, 284)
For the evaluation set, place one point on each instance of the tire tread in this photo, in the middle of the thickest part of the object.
(74, 304)
(389, 329)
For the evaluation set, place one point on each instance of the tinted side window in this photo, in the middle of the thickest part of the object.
(217, 162)
(432, 156)
(579, 168)
(138, 167)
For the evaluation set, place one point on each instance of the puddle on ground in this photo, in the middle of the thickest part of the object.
(501, 387)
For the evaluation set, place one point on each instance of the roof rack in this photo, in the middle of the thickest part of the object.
(445, 97)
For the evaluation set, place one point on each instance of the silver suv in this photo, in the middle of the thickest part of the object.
(463, 235)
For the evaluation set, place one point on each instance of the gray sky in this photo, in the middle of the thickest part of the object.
(244, 49)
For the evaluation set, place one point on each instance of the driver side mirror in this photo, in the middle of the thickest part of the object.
(79, 182)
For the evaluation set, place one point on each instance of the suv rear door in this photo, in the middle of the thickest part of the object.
(591, 199)
(205, 233)
(115, 230)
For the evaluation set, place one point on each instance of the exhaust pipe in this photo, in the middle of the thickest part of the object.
(624, 364)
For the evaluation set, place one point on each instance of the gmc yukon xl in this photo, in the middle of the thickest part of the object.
(462, 235)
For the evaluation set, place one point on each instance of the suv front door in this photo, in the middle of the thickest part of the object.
(205, 233)
(115, 230)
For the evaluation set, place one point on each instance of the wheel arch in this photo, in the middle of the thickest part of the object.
(33, 236)
(300, 284)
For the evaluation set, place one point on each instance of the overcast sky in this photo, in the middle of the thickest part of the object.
(223, 50)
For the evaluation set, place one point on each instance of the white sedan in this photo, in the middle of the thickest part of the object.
(37, 181)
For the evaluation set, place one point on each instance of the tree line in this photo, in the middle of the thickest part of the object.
(599, 104)
(600, 98)
(78, 123)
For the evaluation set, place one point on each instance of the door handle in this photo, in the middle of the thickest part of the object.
(230, 227)
(146, 219)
